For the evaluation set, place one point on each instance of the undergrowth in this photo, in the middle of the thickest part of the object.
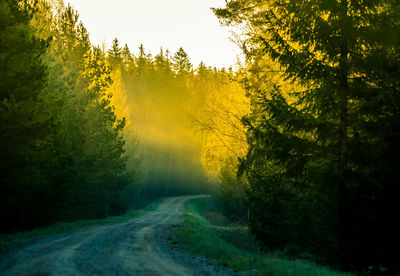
(220, 245)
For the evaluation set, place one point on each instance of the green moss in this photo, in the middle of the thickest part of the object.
(217, 244)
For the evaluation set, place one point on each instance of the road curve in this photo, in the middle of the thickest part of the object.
(127, 248)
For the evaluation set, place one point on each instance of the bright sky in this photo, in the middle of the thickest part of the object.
(161, 23)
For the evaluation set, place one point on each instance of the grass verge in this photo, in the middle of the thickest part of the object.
(219, 245)
(8, 241)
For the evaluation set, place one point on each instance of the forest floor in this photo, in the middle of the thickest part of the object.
(206, 232)
(133, 247)
(183, 235)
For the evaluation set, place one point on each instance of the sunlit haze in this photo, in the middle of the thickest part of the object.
(157, 23)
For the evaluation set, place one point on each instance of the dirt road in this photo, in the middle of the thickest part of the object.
(128, 248)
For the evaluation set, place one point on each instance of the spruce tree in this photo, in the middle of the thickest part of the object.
(331, 124)
(181, 63)
(24, 122)
(143, 62)
(127, 57)
(61, 143)
(162, 63)
(114, 55)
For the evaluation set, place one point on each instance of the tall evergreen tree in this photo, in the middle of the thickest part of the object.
(332, 130)
(144, 63)
(162, 63)
(61, 143)
(114, 55)
(181, 63)
(24, 123)
(127, 57)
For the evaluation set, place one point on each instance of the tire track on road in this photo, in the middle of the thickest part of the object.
(127, 248)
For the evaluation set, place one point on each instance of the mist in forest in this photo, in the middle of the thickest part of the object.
(300, 144)
(172, 111)
(168, 146)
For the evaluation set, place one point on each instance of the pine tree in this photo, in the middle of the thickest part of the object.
(162, 63)
(24, 122)
(342, 58)
(62, 145)
(144, 63)
(181, 63)
(114, 55)
(127, 58)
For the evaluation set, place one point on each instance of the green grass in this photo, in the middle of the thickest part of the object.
(226, 246)
(8, 241)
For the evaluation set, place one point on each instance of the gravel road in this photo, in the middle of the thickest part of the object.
(133, 247)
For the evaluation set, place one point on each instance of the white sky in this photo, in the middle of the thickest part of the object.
(161, 23)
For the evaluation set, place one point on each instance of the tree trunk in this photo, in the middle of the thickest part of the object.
(343, 91)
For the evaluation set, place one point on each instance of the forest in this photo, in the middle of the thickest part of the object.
(301, 141)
